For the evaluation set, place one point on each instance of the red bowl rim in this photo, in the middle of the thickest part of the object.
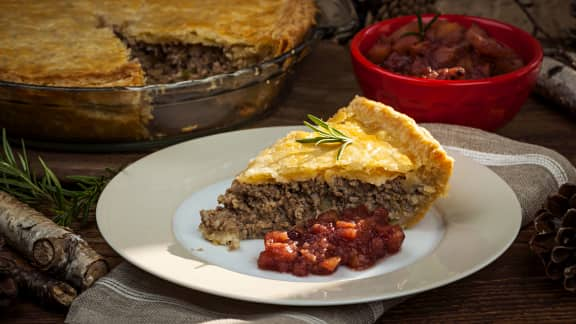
(530, 66)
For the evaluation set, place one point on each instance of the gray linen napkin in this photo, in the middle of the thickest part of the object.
(128, 295)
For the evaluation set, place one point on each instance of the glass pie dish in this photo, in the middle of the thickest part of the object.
(146, 117)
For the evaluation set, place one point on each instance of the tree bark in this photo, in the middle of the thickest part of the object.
(48, 246)
(8, 290)
(32, 281)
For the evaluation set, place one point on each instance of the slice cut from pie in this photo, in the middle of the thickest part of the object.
(391, 163)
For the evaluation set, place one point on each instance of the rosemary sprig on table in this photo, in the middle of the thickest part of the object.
(45, 192)
(422, 29)
(326, 134)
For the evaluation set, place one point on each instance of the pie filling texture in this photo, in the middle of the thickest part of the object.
(168, 63)
(176, 61)
(392, 163)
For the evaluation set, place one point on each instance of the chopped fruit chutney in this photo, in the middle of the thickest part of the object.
(443, 50)
(356, 238)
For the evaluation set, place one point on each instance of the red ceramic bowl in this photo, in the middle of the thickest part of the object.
(484, 103)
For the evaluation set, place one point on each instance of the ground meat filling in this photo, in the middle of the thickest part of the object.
(174, 62)
(168, 63)
(249, 211)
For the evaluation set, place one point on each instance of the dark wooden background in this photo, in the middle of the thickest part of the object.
(512, 289)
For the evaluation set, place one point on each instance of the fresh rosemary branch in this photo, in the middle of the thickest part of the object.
(46, 192)
(422, 29)
(326, 134)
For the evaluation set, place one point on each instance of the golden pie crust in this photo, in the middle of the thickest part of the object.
(73, 43)
(386, 144)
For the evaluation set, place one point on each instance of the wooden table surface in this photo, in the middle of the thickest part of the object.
(513, 288)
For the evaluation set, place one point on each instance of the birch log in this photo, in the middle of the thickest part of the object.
(32, 281)
(48, 246)
(557, 82)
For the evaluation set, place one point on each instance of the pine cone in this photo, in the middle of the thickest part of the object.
(395, 8)
(554, 241)
(377, 10)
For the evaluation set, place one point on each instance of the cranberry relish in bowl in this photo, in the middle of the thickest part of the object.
(477, 90)
(443, 50)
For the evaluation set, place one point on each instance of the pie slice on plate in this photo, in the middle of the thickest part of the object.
(391, 162)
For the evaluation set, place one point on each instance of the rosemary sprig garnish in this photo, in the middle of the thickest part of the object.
(422, 29)
(326, 134)
(45, 192)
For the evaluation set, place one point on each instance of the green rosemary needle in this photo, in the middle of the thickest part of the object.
(45, 192)
(422, 29)
(326, 134)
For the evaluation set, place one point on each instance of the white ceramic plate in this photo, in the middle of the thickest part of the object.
(149, 214)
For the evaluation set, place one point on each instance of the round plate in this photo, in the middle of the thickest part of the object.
(465, 231)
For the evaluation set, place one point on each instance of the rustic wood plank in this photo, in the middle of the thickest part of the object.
(513, 288)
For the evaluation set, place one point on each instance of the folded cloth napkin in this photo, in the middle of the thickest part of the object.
(128, 295)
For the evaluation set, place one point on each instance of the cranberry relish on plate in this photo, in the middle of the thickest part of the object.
(356, 238)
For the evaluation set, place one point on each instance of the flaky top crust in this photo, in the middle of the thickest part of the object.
(386, 144)
(72, 43)
(248, 26)
(53, 43)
